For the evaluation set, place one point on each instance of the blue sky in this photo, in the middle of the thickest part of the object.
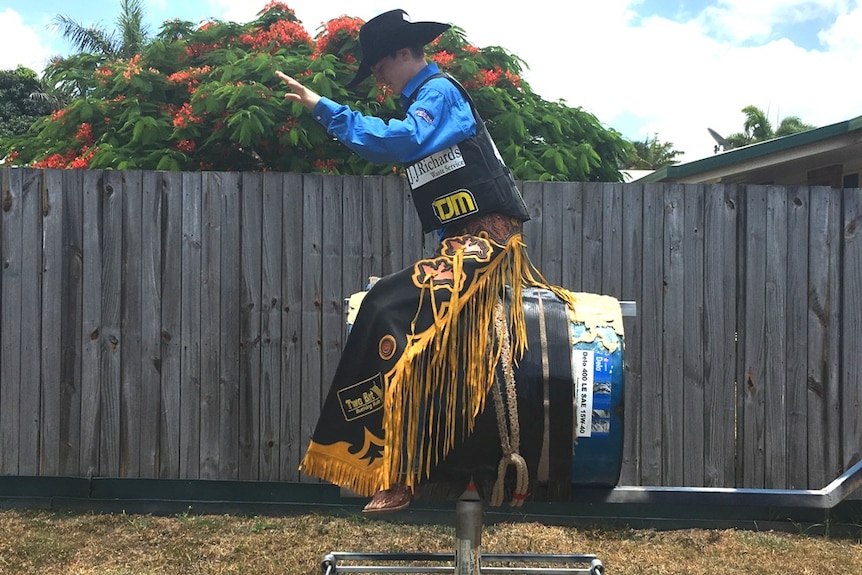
(668, 67)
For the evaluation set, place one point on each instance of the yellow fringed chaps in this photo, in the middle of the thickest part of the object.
(449, 354)
(439, 382)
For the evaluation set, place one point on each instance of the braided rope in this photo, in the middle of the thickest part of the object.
(509, 428)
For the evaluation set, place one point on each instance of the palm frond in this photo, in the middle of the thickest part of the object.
(92, 39)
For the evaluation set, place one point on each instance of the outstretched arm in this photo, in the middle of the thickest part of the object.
(299, 93)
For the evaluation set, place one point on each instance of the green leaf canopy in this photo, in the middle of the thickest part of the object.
(206, 98)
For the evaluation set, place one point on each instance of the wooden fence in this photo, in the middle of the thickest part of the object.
(186, 325)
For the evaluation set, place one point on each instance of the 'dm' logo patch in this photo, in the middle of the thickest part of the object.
(455, 205)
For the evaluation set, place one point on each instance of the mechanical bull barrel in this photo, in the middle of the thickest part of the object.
(568, 424)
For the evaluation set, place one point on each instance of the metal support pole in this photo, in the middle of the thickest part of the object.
(468, 533)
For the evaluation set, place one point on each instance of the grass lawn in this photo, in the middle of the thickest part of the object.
(65, 543)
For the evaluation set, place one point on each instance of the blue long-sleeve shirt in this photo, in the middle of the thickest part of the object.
(439, 117)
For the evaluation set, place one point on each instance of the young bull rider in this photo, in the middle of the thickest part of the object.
(421, 355)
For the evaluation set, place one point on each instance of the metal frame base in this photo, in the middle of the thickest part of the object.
(467, 558)
(331, 563)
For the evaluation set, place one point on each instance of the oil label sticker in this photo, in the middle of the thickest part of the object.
(593, 373)
(583, 360)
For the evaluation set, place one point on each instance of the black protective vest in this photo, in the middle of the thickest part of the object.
(466, 179)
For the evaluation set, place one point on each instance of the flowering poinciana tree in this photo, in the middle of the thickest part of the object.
(206, 98)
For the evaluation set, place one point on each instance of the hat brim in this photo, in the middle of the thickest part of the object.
(417, 33)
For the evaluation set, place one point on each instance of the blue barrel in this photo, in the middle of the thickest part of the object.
(570, 389)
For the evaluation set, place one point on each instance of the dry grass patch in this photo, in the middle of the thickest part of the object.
(53, 543)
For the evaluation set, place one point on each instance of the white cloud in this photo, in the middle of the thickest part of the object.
(747, 21)
(678, 78)
(20, 44)
(240, 11)
(844, 35)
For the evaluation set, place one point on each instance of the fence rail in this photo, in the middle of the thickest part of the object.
(187, 325)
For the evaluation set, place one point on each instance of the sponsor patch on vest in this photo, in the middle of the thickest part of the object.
(362, 398)
(455, 205)
(435, 166)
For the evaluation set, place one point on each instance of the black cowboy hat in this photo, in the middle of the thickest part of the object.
(389, 32)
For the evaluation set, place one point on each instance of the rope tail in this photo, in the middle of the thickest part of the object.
(507, 423)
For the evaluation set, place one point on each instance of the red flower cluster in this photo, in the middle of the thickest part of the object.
(103, 75)
(443, 58)
(187, 146)
(85, 134)
(492, 78)
(191, 77)
(281, 34)
(275, 4)
(514, 79)
(328, 166)
(55, 161)
(289, 124)
(198, 49)
(335, 33)
(184, 117)
(69, 160)
(84, 159)
(134, 67)
(385, 92)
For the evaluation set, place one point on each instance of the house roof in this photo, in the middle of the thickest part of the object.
(772, 161)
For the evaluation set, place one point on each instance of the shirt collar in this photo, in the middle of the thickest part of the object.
(423, 74)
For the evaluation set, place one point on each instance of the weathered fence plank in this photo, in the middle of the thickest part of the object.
(229, 328)
(631, 262)
(150, 294)
(393, 228)
(823, 317)
(553, 250)
(71, 297)
(311, 339)
(91, 322)
(31, 323)
(674, 383)
(570, 233)
(851, 335)
(593, 227)
(694, 405)
(168, 196)
(798, 338)
(11, 288)
(51, 229)
(251, 314)
(752, 321)
(332, 279)
(612, 239)
(775, 336)
(294, 430)
(720, 332)
(188, 325)
(650, 313)
(191, 361)
(533, 198)
(134, 386)
(370, 227)
(210, 302)
(271, 331)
